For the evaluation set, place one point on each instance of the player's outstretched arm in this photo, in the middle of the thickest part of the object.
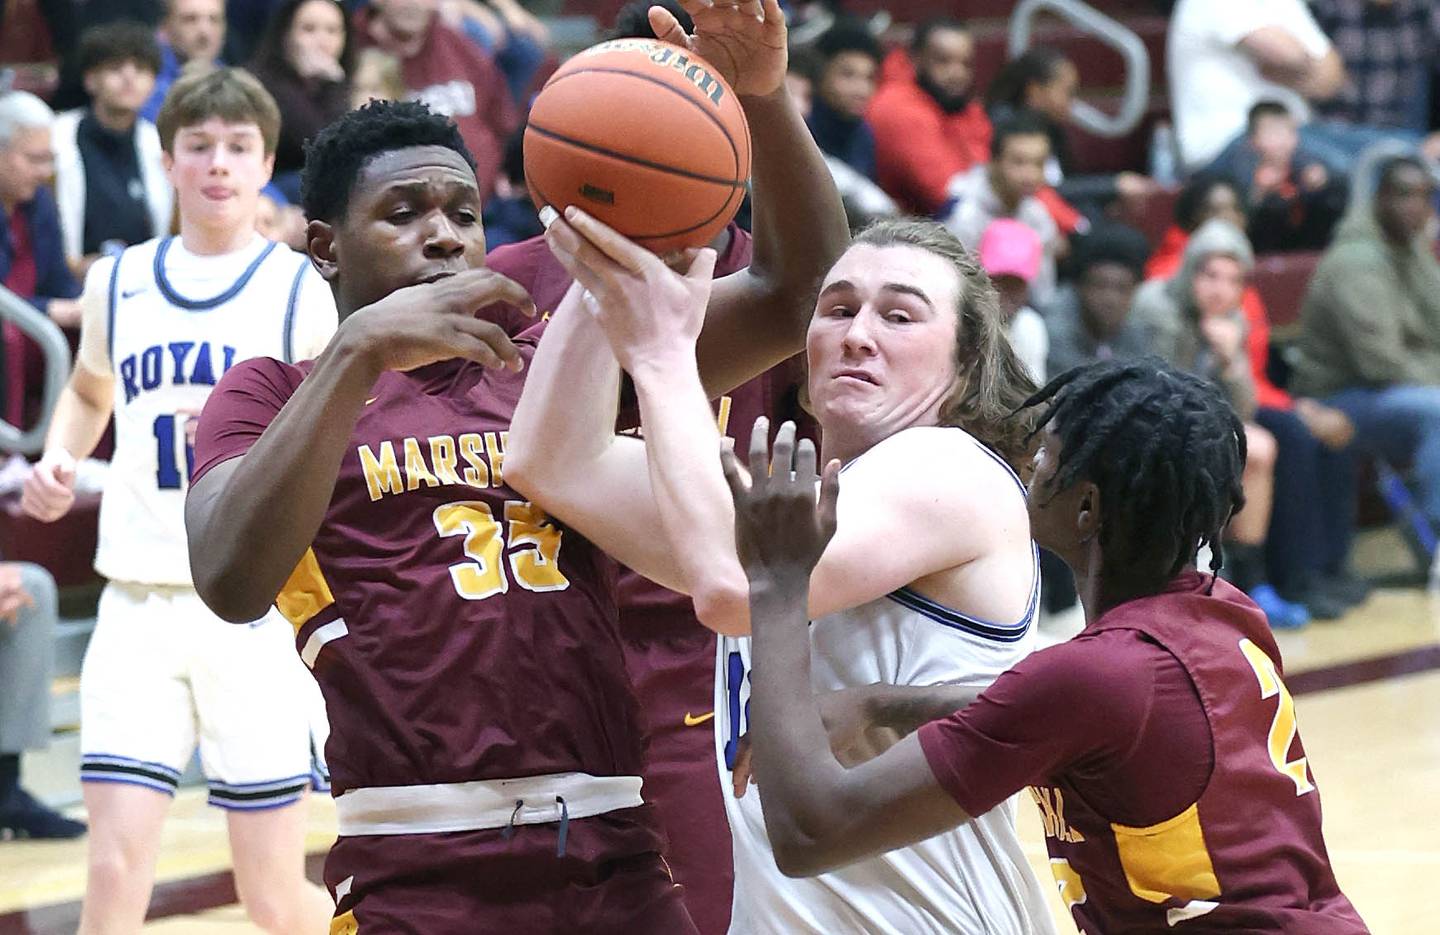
(250, 518)
(757, 317)
(818, 814)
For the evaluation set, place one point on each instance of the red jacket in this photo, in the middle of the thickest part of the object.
(918, 147)
(1166, 263)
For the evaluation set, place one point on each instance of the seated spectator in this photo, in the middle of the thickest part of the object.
(1388, 48)
(929, 127)
(1091, 320)
(1304, 501)
(193, 31)
(1007, 188)
(304, 61)
(28, 616)
(446, 71)
(1370, 325)
(376, 77)
(1292, 198)
(511, 35)
(1010, 253)
(849, 65)
(110, 184)
(1204, 197)
(32, 260)
(1224, 56)
(1043, 81)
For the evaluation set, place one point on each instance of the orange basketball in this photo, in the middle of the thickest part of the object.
(643, 135)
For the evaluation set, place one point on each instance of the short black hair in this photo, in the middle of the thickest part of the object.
(117, 43)
(1389, 167)
(633, 20)
(335, 156)
(1164, 448)
(1036, 65)
(1020, 123)
(1191, 201)
(1262, 109)
(929, 27)
(849, 35)
(1112, 242)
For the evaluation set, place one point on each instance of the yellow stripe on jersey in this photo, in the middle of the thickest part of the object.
(344, 924)
(305, 593)
(1167, 860)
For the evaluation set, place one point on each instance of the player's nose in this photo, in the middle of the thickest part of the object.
(443, 237)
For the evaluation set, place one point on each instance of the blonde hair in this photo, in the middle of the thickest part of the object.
(232, 94)
(387, 71)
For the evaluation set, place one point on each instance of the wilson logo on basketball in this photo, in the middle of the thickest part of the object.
(705, 82)
(601, 195)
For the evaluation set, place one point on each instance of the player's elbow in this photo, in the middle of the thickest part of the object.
(524, 474)
(227, 593)
(723, 605)
(798, 856)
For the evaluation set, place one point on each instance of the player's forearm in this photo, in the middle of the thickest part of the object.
(682, 447)
(79, 421)
(906, 708)
(249, 526)
(799, 223)
(565, 419)
(800, 778)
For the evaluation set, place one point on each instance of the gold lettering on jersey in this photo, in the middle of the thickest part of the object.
(722, 416)
(435, 461)
(442, 456)
(472, 449)
(495, 448)
(1052, 814)
(416, 473)
(1067, 880)
(382, 474)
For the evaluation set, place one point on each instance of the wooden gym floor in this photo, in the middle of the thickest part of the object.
(1368, 695)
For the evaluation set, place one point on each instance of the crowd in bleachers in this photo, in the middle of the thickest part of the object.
(1303, 143)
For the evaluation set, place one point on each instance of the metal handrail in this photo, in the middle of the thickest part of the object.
(1111, 32)
(56, 349)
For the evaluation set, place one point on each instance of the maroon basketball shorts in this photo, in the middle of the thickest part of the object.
(610, 880)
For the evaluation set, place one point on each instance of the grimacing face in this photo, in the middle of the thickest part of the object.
(881, 345)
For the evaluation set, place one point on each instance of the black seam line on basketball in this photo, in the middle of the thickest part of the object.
(724, 206)
(683, 173)
(724, 131)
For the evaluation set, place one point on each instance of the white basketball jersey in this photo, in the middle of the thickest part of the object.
(973, 879)
(169, 343)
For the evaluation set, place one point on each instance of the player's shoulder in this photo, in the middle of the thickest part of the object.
(522, 261)
(268, 374)
(937, 451)
(1100, 669)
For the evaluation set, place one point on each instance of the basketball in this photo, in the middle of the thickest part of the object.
(645, 136)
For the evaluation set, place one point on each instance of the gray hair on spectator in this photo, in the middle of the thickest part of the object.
(21, 110)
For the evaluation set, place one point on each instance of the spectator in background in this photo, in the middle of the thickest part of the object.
(32, 260)
(28, 615)
(447, 72)
(509, 214)
(1370, 325)
(929, 127)
(849, 66)
(193, 31)
(1007, 188)
(1044, 82)
(802, 72)
(304, 60)
(1091, 320)
(376, 77)
(110, 184)
(1010, 254)
(1199, 325)
(1292, 198)
(508, 33)
(1388, 47)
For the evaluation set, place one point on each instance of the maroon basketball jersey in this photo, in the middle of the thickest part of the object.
(456, 632)
(1248, 854)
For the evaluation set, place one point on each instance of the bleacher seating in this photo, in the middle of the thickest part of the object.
(1282, 279)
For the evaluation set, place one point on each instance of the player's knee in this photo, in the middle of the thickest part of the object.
(277, 912)
(113, 866)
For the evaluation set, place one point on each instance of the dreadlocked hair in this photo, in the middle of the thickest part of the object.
(1164, 448)
(991, 382)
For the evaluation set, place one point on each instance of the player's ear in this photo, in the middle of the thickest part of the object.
(320, 244)
(1087, 511)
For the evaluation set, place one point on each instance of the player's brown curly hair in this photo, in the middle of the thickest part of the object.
(992, 383)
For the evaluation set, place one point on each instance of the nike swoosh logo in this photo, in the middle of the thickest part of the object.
(693, 721)
(132, 293)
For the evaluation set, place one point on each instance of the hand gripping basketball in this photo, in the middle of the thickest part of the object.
(744, 39)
